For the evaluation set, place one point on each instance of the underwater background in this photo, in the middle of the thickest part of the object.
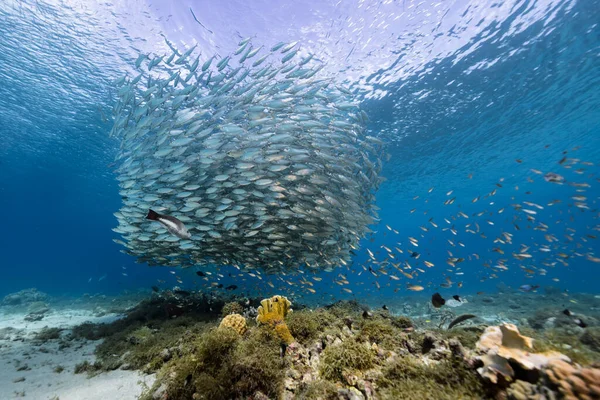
(458, 91)
(418, 181)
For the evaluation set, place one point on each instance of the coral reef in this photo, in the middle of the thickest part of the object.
(348, 356)
(86, 366)
(24, 297)
(342, 351)
(272, 313)
(36, 310)
(304, 325)
(574, 382)
(148, 335)
(506, 342)
(220, 365)
(402, 322)
(514, 365)
(408, 378)
(323, 390)
(522, 390)
(47, 334)
(275, 308)
(548, 318)
(232, 307)
(235, 322)
(591, 338)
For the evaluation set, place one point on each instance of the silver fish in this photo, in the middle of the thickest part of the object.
(267, 165)
(173, 225)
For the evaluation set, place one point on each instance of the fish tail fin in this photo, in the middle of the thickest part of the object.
(152, 215)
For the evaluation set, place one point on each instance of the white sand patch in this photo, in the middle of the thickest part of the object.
(38, 363)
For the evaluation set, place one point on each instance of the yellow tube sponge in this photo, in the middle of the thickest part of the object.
(235, 322)
(272, 312)
(284, 333)
(275, 308)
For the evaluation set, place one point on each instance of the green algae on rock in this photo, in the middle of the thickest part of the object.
(47, 334)
(222, 365)
(349, 355)
(591, 338)
(232, 307)
(410, 378)
(304, 326)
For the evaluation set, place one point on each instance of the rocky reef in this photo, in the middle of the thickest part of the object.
(206, 348)
(24, 297)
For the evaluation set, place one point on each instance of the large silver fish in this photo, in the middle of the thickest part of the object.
(173, 225)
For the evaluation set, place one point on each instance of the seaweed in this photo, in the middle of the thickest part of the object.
(256, 365)
(376, 330)
(220, 364)
(564, 341)
(143, 338)
(86, 366)
(402, 322)
(345, 308)
(408, 378)
(346, 356)
(47, 334)
(303, 326)
(591, 338)
(232, 308)
(539, 320)
(467, 336)
(320, 389)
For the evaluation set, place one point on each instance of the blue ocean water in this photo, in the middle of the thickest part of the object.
(459, 92)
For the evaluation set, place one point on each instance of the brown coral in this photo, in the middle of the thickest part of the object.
(235, 322)
(272, 312)
(496, 369)
(522, 390)
(574, 382)
(504, 345)
(506, 341)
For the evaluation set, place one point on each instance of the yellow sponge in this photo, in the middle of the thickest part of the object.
(235, 322)
(272, 312)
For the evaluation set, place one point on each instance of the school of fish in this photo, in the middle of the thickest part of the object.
(267, 165)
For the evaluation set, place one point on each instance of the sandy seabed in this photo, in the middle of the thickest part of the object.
(28, 367)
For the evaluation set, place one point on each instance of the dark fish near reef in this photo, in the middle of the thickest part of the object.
(200, 273)
(173, 225)
(231, 287)
(155, 289)
(578, 321)
(414, 254)
(385, 307)
(460, 319)
(528, 288)
(367, 314)
(457, 298)
(437, 300)
(181, 292)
